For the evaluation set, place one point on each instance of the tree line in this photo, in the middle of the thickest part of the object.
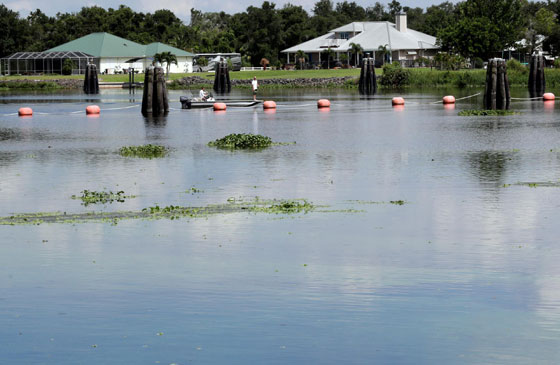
(471, 28)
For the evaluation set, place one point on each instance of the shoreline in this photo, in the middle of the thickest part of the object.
(328, 79)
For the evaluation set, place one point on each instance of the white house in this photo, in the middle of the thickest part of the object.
(403, 44)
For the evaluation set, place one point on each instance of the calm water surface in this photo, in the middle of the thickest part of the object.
(465, 272)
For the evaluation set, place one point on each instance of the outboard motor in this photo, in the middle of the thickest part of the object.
(185, 102)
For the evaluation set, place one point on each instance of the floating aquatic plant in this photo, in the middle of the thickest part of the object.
(480, 112)
(168, 212)
(244, 141)
(145, 151)
(101, 197)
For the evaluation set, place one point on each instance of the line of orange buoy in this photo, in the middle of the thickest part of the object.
(397, 100)
(269, 104)
(449, 99)
(25, 112)
(92, 110)
(220, 106)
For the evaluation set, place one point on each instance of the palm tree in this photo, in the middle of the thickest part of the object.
(329, 53)
(301, 57)
(356, 49)
(384, 51)
(166, 57)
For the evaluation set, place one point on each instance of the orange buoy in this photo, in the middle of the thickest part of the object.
(25, 112)
(323, 103)
(449, 99)
(548, 96)
(92, 109)
(269, 104)
(219, 106)
(398, 100)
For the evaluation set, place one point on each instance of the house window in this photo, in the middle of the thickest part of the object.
(344, 35)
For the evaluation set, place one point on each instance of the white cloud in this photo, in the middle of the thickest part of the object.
(182, 9)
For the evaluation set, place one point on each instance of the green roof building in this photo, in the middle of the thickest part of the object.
(114, 54)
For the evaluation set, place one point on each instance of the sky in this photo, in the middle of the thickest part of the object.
(181, 8)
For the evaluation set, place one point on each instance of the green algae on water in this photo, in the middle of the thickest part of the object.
(168, 212)
(145, 151)
(480, 112)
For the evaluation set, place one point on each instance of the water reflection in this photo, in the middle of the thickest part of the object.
(443, 276)
(490, 166)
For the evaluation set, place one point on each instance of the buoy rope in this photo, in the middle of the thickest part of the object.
(76, 112)
(296, 106)
(463, 98)
(535, 98)
(124, 107)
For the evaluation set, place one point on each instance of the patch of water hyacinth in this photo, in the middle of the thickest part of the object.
(244, 141)
(145, 151)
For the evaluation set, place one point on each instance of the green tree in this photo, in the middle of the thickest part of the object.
(437, 17)
(263, 32)
(14, 29)
(543, 23)
(384, 51)
(329, 54)
(482, 27)
(356, 50)
(301, 57)
(377, 13)
(166, 57)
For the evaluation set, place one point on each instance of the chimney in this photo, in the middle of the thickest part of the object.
(400, 20)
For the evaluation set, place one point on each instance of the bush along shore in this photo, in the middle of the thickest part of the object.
(27, 84)
(390, 77)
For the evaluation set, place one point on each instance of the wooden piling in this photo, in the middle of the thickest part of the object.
(496, 92)
(91, 83)
(537, 82)
(368, 81)
(155, 101)
(222, 82)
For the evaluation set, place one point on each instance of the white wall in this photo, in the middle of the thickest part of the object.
(118, 64)
(184, 64)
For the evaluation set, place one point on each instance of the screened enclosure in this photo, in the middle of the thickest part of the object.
(33, 63)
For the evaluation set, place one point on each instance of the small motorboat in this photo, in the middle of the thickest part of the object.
(197, 103)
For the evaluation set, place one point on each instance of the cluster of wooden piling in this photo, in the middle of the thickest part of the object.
(368, 82)
(91, 83)
(496, 93)
(222, 83)
(154, 100)
(536, 75)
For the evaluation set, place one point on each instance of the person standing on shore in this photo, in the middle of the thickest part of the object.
(255, 85)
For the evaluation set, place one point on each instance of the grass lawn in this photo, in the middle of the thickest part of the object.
(272, 74)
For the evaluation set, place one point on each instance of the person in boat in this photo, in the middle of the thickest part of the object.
(203, 94)
(255, 85)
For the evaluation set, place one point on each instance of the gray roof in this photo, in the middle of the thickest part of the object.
(371, 36)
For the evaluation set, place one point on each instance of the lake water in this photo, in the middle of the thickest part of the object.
(466, 271)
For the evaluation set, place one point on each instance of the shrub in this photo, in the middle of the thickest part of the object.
(516, 66)
(557, 63)
(478, 62)
(67, 66)
(394, 75)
